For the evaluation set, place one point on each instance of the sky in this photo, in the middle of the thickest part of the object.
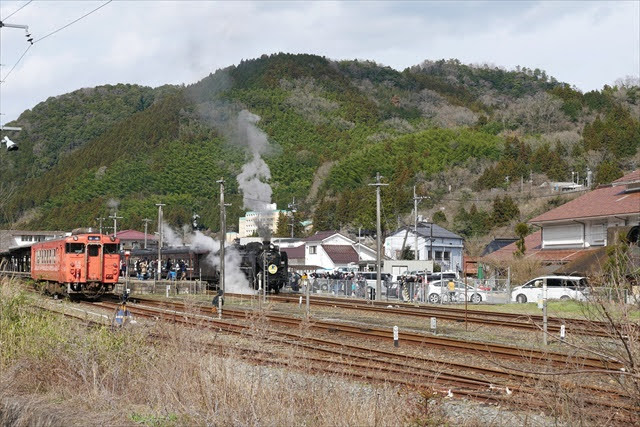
(586, 44)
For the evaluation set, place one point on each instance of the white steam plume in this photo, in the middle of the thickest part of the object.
(254, 177)
(235, 280)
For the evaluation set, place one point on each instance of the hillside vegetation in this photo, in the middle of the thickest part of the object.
(468, 137)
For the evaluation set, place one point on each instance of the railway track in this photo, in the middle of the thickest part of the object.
(387, 366)
(510, 320)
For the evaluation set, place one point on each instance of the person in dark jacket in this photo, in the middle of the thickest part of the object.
(218, 299)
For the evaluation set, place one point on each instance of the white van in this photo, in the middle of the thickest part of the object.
(558, 287)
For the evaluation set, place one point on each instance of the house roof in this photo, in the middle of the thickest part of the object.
(424, 230)
(134, 235)
(496, 244)
(628, 178)
(533, 249)
(605, 201)
(294, 253)
(341, 254)
(321, 235)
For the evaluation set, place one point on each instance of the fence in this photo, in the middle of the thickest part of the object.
(492, 291)
(172, 287)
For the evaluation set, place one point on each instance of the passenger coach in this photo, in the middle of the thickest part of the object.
(84, 264)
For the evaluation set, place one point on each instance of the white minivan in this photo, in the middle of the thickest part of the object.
(558, 287)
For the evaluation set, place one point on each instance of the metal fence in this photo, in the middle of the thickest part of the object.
(491, 291)
(163, 287)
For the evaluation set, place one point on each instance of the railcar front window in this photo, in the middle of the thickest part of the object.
(110, 248)
(94, 250)
(74, 248)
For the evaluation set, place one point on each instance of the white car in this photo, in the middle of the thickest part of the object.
(439, 289)
(558, 287)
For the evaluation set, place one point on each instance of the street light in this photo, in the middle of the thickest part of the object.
(11, 146)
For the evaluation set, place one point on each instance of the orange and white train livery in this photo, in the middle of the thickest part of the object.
(84, 264)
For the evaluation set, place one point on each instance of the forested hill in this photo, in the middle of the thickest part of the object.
(467, 137)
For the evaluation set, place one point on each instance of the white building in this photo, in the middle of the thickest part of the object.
(328, 250)
(435, 244)
(252, 222)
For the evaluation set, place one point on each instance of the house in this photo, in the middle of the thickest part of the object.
(133, 239)
(23, 238)
(580, 227)
(328, 250)
(583, 222)
(435, 244)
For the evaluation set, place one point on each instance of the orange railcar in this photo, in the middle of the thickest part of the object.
(80, 264)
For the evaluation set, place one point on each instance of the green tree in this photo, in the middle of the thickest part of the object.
(521, 230)
(504, 210)
(439, 218)
(607, 172)
(282, 230)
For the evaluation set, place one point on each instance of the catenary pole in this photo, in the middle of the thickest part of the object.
(378, 184)
(223, 232)
(146, 223)
(160, 205)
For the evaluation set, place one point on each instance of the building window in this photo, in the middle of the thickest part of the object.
(438, 254)
(313, 250)
(446, 255)
(26, 238)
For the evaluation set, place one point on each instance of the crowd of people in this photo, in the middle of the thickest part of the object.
(146, 269)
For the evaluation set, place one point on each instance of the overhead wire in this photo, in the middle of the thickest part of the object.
(3, 80)
(16, 64)
(19, 9)
(50, 34)
(73, 22)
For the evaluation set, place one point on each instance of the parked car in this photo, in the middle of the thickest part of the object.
(442, 275)
(558, 287)
(439, 289)
(371, 278)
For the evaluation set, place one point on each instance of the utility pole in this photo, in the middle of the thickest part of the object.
(30, 41)
(223, 232)
(416, 199)
(160, 205)
(293, 208)
(378, 184)
(100, 222)
(115, 218)
(146, 223)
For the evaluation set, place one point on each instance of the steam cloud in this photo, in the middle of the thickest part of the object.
(240, 129)
(235, 280)
(253, 179)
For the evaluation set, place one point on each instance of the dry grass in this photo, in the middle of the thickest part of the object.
(57, 369)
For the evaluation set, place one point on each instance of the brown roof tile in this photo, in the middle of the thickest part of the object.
(605, 201)
(341, 254)
(294, 253)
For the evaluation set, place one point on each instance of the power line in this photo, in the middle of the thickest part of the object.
(16, 64)
(19, 9)
(73, 22)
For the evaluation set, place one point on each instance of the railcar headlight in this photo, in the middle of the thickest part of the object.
(75, 237)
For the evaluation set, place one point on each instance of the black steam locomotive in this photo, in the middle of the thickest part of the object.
(260, 262)
(264, 265)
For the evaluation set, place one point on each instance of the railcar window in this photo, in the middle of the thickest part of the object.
(110, 248)
(94, 250)
(74, 248)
